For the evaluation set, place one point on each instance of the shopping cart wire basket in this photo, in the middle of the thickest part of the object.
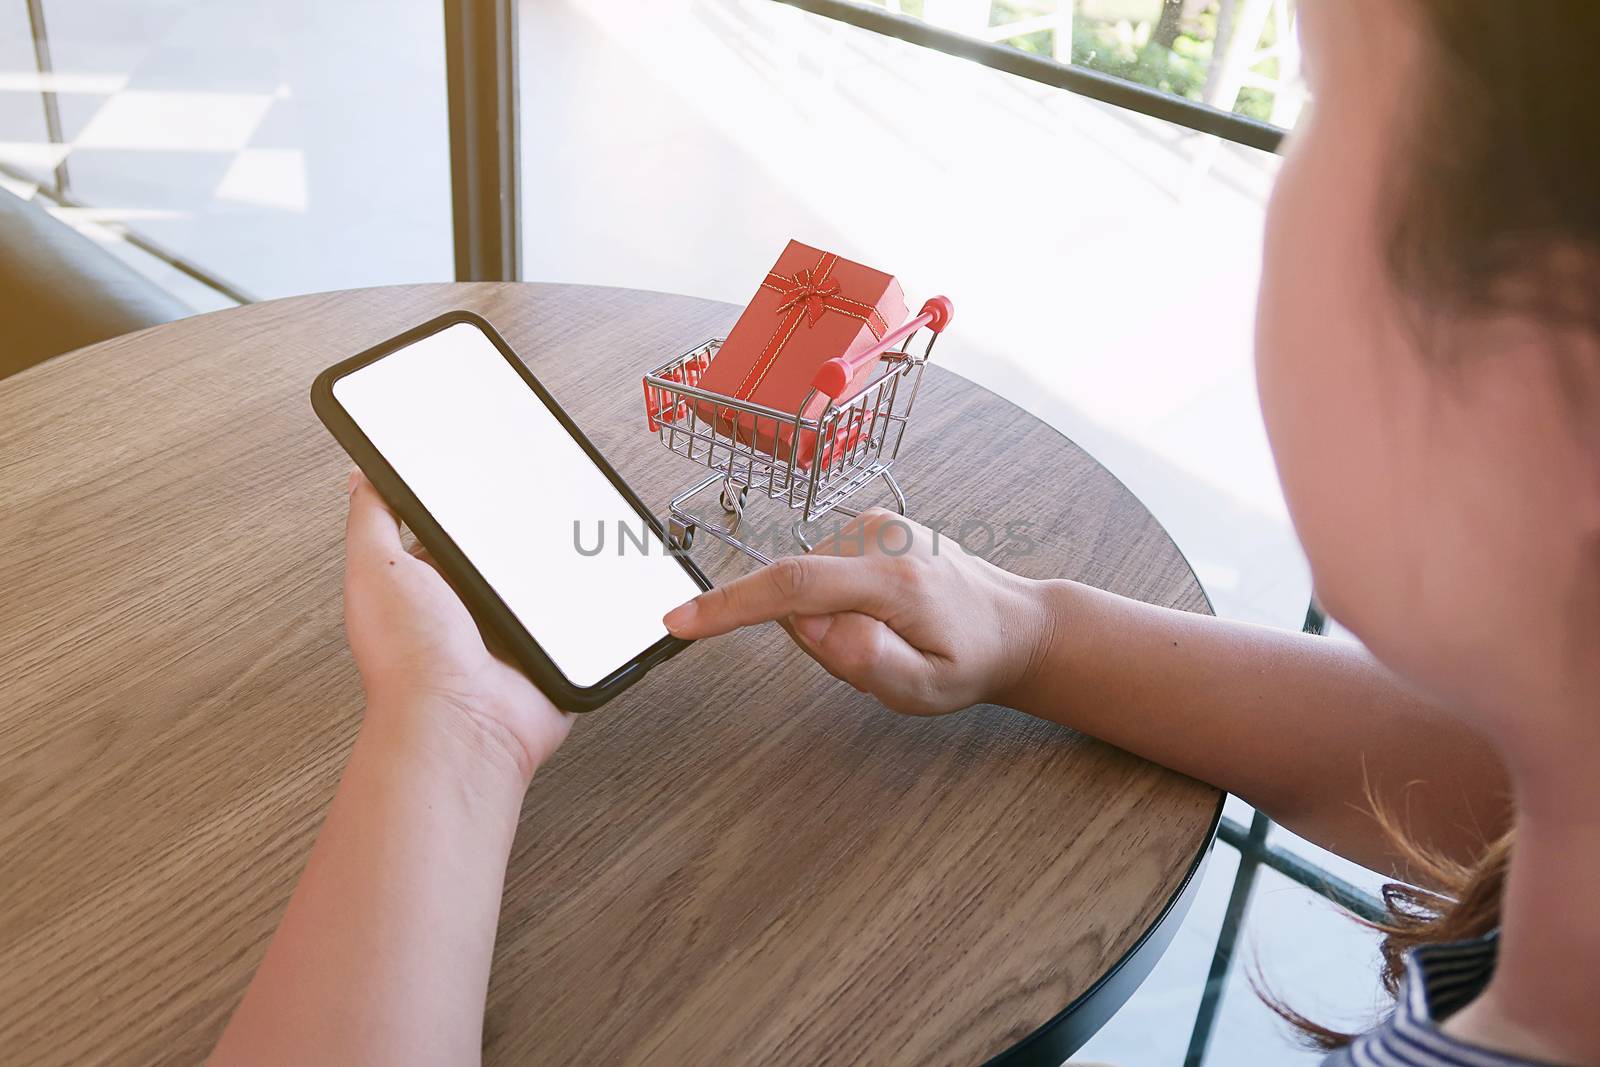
(812, 465)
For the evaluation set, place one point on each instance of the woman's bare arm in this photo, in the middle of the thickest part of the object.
(1299, 726)
(383, 954)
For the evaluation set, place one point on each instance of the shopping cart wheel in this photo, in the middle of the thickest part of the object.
(734, 505)
(680, 534)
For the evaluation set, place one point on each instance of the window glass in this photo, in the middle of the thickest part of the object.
(287, 147)
(1237, 55)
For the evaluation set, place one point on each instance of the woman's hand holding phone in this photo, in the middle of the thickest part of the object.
(894, 610)
(383, 953)
(421, 655)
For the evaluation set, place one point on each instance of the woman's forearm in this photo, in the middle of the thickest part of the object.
(1297, 725)
(383, 954)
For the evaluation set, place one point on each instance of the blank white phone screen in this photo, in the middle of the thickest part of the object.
(507, 483)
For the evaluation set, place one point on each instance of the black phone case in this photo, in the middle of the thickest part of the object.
(484, 603)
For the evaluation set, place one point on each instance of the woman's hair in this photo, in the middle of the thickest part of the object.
(1461, 902)
(1494, 210)
(1495, 182)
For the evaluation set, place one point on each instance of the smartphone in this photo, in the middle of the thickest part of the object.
(545, 542)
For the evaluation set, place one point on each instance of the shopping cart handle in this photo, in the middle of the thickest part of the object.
(834, 376)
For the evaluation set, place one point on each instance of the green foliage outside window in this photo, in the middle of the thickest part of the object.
(1115, 37)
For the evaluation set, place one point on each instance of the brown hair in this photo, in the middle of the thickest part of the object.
(1495, 196)
(1494, 210)
(1461, 901)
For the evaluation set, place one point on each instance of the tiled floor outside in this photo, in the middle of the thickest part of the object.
(1103, 265)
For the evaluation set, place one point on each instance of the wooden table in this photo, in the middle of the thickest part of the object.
(739, 861)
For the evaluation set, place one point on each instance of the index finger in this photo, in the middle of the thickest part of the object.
(795, 585)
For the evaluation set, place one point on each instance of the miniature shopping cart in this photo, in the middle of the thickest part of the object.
(814, 465)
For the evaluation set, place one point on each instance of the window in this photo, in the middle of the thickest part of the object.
(277, 148)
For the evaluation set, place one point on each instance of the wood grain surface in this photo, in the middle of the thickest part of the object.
(741, 860)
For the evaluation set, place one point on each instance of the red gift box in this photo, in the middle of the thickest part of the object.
(813, 306)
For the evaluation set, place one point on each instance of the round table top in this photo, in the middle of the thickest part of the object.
(739, 860)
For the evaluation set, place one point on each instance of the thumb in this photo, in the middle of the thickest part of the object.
(372, 531)
(867, 653)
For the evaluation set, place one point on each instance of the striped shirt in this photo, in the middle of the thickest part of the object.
(1440, 980)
